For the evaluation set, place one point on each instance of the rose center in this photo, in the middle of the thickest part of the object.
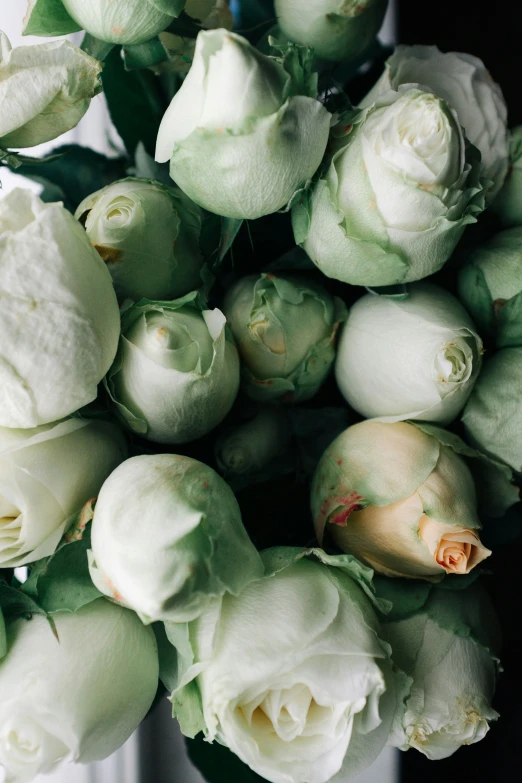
(10, 527)
(119, 212)
(453, 364)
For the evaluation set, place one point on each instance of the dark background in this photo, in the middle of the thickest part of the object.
(493, 33)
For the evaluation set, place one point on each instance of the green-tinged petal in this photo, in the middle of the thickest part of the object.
(494, 481)
(371, 463)
(256, 170)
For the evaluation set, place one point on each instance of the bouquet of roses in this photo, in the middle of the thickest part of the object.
(249, 455)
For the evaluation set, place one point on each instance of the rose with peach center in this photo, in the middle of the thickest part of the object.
(400, 499)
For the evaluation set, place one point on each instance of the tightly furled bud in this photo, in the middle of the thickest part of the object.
(285, 329)
(247, 158)
(184, 539)
(411, 357)
(148, 235)
(176, 374)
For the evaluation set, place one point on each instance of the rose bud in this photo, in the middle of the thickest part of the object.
(399, 500)
(125, 22)
(74, 695)
(242, 158)
(490, 285)
(493, 415)
(448, 649)
(337, 30)
(508, 204)
(285, 330)
(250, 447)
(45, 90)
(184, 541)
(176, 375)
(397, 195)
(59, 316)
(148, 235)
(464, 82)
(291, 676)
(416, 357)
(46, 475)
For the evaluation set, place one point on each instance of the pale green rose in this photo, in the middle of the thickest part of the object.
(408, 357)
(401, 499)
(448, 649)
(59, 316)
(46, 476)
(337, 29)
(464, 82)
(44, 90)
(183, 539)
(397, 195)
(290, 674)
(148, 235)
(122, 22)
(508, 204)
(490, 285)
(74, 695)
(242, 158)
(493, 416)
(285, 329)
(176, 374)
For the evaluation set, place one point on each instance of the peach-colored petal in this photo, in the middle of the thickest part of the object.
(456, 550)
(386, 538)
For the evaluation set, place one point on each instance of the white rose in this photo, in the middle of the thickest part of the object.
(337, 29)
(126, 22)
(241, 158)
(76, 696)
(59, 317)
(397, 196)
(44, 90)
(416, 357)
(184, 541)
(447, 650)
(176, 375)
(292, 676)
(46, 476)
(464, 82)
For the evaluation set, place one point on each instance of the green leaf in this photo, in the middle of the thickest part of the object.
(49, 17)
(72, 173)
(136, 103)
(217, 237)
(218, 764)
(62, 581)
(3, 637)
(14, 603)
(187, 708)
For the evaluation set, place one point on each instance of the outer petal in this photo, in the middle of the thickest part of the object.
(59, 314)
(492, 417)
(256, 170)
(370, 463)
(48, 474)
(79, 706)
(388, 352)
(179, 516)
(170, 406)
(44, 90)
